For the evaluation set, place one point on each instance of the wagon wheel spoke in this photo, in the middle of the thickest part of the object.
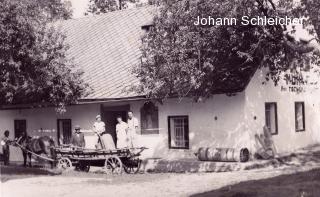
(113, 165)
(64, 164)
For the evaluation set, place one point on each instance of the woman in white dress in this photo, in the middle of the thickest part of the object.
(105, 140)
(121, 130)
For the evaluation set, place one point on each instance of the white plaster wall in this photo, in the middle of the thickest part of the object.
(234, 128)
(204, 130)
(287, 139)
(227, 131)
(45, 118)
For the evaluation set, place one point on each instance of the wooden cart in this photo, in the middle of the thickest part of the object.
(112, 161)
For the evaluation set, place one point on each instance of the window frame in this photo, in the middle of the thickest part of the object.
(276, 117)
(15, 126)
(58, 128)
(303, 116)
(187, 146)
(149, 131)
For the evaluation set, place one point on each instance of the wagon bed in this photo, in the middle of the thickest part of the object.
(112, 161)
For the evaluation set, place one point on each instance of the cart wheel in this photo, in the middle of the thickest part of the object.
(132, 166)
(64, 163)
(113, 165)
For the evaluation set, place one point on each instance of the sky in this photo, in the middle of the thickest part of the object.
(79, 7)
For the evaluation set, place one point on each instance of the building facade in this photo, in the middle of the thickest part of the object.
(107, 46)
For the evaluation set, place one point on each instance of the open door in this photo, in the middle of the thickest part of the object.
(109, 117)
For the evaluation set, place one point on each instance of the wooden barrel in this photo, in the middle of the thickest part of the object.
(244, 155)
(223, 154)
(202, 154)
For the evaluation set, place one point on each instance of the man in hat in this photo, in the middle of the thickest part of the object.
(77, 138)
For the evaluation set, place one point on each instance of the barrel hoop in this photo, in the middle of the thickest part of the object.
(206, 154)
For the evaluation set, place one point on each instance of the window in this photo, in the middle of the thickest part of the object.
(64, 131)
(20, 127)
(178, 132)
(299, 116)
(147, 28)
(271, 117)
(149, 119)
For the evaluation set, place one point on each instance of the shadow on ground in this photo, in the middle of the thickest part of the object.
(302, 184)
(18, 172)
(309, 156)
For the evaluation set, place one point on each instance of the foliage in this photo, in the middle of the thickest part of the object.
(55, 9)
(182, 59)
(104, 6)
(34, 66)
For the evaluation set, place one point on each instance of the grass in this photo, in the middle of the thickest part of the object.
(302, 184)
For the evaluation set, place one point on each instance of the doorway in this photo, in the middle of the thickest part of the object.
(109, 117)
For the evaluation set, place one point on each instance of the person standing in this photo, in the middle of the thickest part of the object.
(121, 130)
(133, 125)
(105, 140)
(99, 126)
(77, 138)
(5, 142)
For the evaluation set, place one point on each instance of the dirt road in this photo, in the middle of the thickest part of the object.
(132, 185)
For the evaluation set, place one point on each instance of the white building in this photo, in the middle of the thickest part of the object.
(107, 46)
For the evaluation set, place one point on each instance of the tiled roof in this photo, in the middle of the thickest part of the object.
(106, 47)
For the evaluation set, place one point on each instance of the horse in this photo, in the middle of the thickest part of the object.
(41, 145)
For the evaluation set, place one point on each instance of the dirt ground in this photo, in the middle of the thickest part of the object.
(294, 175)
(18, 182)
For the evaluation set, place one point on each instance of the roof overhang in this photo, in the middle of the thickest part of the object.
(80, 102)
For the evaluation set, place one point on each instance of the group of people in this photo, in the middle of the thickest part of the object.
(125, 133)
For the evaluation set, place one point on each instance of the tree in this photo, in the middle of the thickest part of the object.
(56, 9)
(34, 66)
(104, 6)
(183, 59)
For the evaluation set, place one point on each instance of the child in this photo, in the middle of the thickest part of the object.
(5, 142)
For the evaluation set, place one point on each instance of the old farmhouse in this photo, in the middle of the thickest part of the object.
(107, 46)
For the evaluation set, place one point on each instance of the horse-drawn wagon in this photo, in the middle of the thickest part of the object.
(67, 156)
(112, 161)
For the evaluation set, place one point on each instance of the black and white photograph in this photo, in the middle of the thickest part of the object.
(159, 98)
